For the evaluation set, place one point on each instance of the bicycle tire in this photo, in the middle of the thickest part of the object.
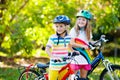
(105, 76)
(74, 77)
(29, 75)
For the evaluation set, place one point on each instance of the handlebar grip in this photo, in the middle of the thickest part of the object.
(56, 60)
(91, 46)
(65, 58)
(74, 54)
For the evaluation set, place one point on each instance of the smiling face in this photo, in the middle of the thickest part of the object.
(60, 28)
(81, 22)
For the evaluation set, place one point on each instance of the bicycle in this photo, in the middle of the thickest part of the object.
(39, 70)
(110, 72)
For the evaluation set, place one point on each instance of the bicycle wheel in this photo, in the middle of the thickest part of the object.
(115, 73)
(73, 77)
(29, 75)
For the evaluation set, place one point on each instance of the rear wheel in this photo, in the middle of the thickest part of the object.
(29, 75)
(115, 73)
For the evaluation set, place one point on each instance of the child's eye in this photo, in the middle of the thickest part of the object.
(84, 19)
(79, 18)
(61, 26)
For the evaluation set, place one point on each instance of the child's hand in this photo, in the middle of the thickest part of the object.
(85, 47)
(77, 52)
(56, 58)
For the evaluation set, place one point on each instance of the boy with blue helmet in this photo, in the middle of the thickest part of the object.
(62, 19)
(58, 45)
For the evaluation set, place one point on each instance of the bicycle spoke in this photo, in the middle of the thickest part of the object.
(30, 75)
(115, 75)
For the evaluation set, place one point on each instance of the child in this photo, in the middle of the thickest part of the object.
(80, 36)
(58, 44)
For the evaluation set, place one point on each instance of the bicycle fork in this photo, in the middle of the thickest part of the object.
(107, 65)
(43, 77)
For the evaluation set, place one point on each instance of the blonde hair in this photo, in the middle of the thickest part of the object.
(88, 29)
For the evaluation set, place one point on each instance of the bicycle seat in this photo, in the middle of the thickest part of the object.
(42, 65)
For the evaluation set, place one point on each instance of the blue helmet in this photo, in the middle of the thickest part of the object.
(84, 13)
(62, 19)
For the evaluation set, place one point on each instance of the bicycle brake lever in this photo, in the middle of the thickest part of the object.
(91, 46)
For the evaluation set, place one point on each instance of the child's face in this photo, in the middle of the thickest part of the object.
(60, 28)
(81, 21)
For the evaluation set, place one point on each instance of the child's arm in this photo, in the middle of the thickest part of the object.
(48, 51)
(72, 42)
(49, 47)
(70, 48)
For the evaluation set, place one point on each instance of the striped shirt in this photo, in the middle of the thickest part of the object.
(58, 50)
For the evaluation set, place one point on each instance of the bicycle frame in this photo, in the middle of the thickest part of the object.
(96, 61)
(69, 71)
(106, 63)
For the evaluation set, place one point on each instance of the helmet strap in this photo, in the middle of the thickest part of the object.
(81, 28)
(59, 35)
(62, 33)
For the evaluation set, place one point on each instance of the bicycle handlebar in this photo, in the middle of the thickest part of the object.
(93, 46)
(66, 58)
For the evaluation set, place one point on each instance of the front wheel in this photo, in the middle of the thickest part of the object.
(29, 75)
(115, 74)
